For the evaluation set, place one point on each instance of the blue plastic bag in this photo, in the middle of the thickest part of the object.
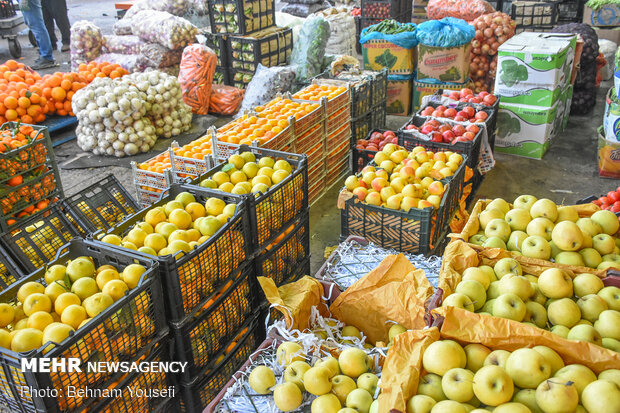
(406, 40)
(447, 32)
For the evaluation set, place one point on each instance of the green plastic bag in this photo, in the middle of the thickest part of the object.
(309, 50)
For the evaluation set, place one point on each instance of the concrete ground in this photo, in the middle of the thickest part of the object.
(568, 171)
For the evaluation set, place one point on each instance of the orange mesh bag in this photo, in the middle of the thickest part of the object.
(225, 100)
(196, 75)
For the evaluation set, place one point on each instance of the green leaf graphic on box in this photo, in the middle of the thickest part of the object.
(451, 75)
(387, 59)
(507, 124)
(512, 72)
(396, 107)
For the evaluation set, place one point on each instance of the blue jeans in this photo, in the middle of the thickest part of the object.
(34, 21)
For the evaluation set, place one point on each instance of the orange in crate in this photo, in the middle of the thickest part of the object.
(316, 92)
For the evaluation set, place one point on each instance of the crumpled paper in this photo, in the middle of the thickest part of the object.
(295, 300)
(395, 291)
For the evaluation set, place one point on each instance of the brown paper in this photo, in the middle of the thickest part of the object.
(394, 291)
(460, 255)
(501, 333)
(401, 371)
(295, 300)
(403, 365)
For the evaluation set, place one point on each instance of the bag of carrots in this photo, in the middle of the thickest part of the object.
(225, 100)
(461, 9)
(196, 75)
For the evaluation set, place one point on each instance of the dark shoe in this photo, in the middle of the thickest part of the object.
(42, 63)
(65, 48)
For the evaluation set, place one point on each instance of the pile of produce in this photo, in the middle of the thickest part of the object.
(51, 310)
(461, 9)
(611, 201)
(464, 379)
(492, 30)
(538, 228)
(86, 42)
(466, 113)
(377, 141)
(180, 225)
(443, 132)
(403, 180)
(467, 95)
(125, 116)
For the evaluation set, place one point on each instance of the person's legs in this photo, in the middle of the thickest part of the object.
(34, 20)
(62, 20)
(48, 18)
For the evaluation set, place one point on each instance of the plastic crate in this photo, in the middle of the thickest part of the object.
(122, 332)
(316, 155)
(159, 381)
(149, 184)
(191, 279)
(278, 207)
(360, 99)
(378, 116)
(199, 339)
(535, 14)
(218, 43)
(358, 31)
(378, 95)
(28, 157)
(196, 395)
(240, 16)
(268, 48)
(409, 141)
(286, 254)
(310, 139)
(416, 231)
(338, 120)
(360, 127)
(360, 158)
(339, 138)
(240, 78)
(571, 11)
(35, 241)
(101, 205)
(9, 271)
(220, 77)
(399, 10)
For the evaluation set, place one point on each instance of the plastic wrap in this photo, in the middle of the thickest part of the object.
(304, 10)
(309, 51)
(86, 42)
(122, 27)
(342, 31)
(462, 9)
(122, 44)
(161, 27)
(447, 32)
(159, 56)
(131, 62)
(174, 7)
(225, 100)
(400, 34)
(196, 76)
(266, 84)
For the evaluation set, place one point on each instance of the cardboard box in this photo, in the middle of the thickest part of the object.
(399, 96)
(444, 64)
(533, 68)
(566, 99)
(526, 130)
(608, 156)
(609, 34)
(421, 89)
(607, 15)
(611, 117)
(379, 54)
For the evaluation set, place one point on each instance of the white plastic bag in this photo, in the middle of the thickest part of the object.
(266, 84)
(608, 48)
(342, 31)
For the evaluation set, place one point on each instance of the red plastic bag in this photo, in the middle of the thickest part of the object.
(196, 75)
(461, 9)
(225, 100)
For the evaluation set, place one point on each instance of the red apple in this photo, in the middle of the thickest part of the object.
(489, 100)
(427, 129)
(437, 113)
(469, 136)
(458, 130)
(473, 128)
(463, 114)
(471, 112)
(389, 134)
(455, 95)
(376, 135)
(436, 137)
(483, 94)
(482, 115)
(444, 128)
(448, 136)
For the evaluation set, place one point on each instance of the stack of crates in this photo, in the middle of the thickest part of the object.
(29, 176)
(217, 43)
(535, 15)
(374, 11)
(418, 14)
(151, 178)
(132, 330)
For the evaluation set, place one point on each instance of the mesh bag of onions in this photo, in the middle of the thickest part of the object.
(125, 116)
(86, 43)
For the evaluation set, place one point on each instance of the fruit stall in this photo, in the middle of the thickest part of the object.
(248, 134)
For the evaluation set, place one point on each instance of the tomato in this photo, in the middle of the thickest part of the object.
(604, 200)
(388, 134)
(613, 196)
(616, 207)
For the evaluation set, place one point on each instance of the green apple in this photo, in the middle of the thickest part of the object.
(513, 407)
(487, 307)
(478, 239)
(331, 363)
(535, 246)
(537, 296)
(420, 403)
(341, 386)
(498, 203)
(430, 385)
(494, 242)
(509, 306)
(288, 352)
(608, 324)
(316, 381)
(544, 208)
(475, 291)
(601, 396)
(507, 266)
(498, 228)
(351, 331)
(524, 202)
(554, 396)
(564, 312)
(394, 331)
(518, 219)
(535, 313)
(497, 358)
(449, 406)
(586, 284)
(554, 249)
(591, 306)
(294, 373)
(584, 332)
(457, 384)
(570, 258)
(567, 236)
(477, 274)
(442, 356)
(554, 359)
(527, 397)
(611, 344)
(515, 241)
(327, 403)
(612, 375)
(578, 374)
(368, 382)
(561, 331)
(460, 301)
(555, 283)
(591, 257)
(588, 226)
(494, 290)
(476, 355)
(287, 397)
(516, 284)
(607, 220)
(604, 244)
(527, 368)
(540, 226)
(360, 400)
(493, 386)
(354, 362)
(262, 379)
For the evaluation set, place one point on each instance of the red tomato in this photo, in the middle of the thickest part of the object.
(469, 136)
(459, 118)
(376, 135)
(444, 128)
(438, 113)
(489, 100)
(448, 136)
(613, 196)
(604, 200)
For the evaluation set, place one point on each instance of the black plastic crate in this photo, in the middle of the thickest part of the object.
(241, 16)
(378, 96)
(199, 339)
(360, 158)
(416, 231)
(360, 127)
(246, 53)
(409, 141)
(378, 116)
(191, 280)
(240, 78)
(218, 43)
(148, 381)
(571, 11)
(196, 395)
(287, 253)
(399, 10)
(9, 271)
(124, 331)
(358, 31)
(536, 14)
(281, 205)
(220, 77)
(360, 99)
(34, 242)
(101, 205)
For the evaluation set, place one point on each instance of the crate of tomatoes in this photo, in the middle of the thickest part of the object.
(29, 177)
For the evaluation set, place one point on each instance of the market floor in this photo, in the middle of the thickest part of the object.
(567, 173)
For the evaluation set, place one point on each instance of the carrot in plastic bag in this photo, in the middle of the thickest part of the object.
(462, 9)
(196, 75)
(225, 100)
